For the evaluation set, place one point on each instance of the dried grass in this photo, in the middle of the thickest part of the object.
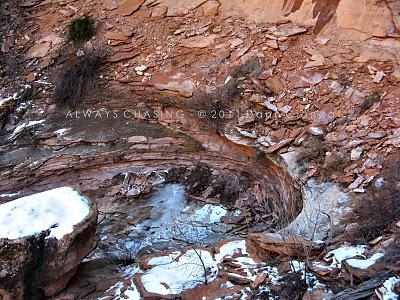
(314, 151)
(376, 210)
(334, 165)
(77, 77)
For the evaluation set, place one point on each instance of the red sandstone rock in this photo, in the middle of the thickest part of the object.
(173, 81)
(306, 78)
(210, 8)
(119, 36)
(120, 56)
(128, 7)
(363, 269)
(283, 244)
(279, 145)
(36, 266)
(42, 47)
(199, 41)
(275, 84)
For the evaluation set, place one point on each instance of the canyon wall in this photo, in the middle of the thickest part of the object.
(346, 19)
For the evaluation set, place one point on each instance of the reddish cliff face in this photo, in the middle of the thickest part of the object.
(348, 19)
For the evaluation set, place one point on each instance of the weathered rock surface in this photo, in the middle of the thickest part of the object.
(37, 266)
(173, 81)
(363, 269)
(42, 47)
(199, 41)
(128, 7)
(284, 244)
(360, 21)
(177, 8)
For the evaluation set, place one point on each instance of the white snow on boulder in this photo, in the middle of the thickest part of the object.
(386, 291)
(232, 248)
(9, 195)
(163, 260)
(58, 210)
(364, 263)
(340, 254)
(125, 289)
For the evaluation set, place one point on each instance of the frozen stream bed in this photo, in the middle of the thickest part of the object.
(164, 220)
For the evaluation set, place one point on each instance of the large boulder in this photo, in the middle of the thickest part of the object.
(359, 269)
(43, 239)
(283, 244)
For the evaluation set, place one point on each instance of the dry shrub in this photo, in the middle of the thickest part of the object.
(219, 103)
(334, 165)
(367, 103)
(121, 252)
(345, 80)
(8, 108)
(379, 208)
(77, 77)
(176, 174)
(199, 179)
(191, 144)
(293, 287)
(392, 255)
(227, 188)
(260, 155)
(251, 65)
(314, 151)
(374, 214)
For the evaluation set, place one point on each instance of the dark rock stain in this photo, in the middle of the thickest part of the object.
(324, 9)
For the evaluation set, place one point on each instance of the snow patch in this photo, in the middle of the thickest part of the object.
(9, 195)
(177, 273)
(387, 290)
(340, 254)
(130, 290)
(231, 248)
(209, 214)
(19, 128)
(364, 263)
(163, 260)
(58, 210)
(308, 277)
(132, 294)
(185, 273)
(61, 131)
